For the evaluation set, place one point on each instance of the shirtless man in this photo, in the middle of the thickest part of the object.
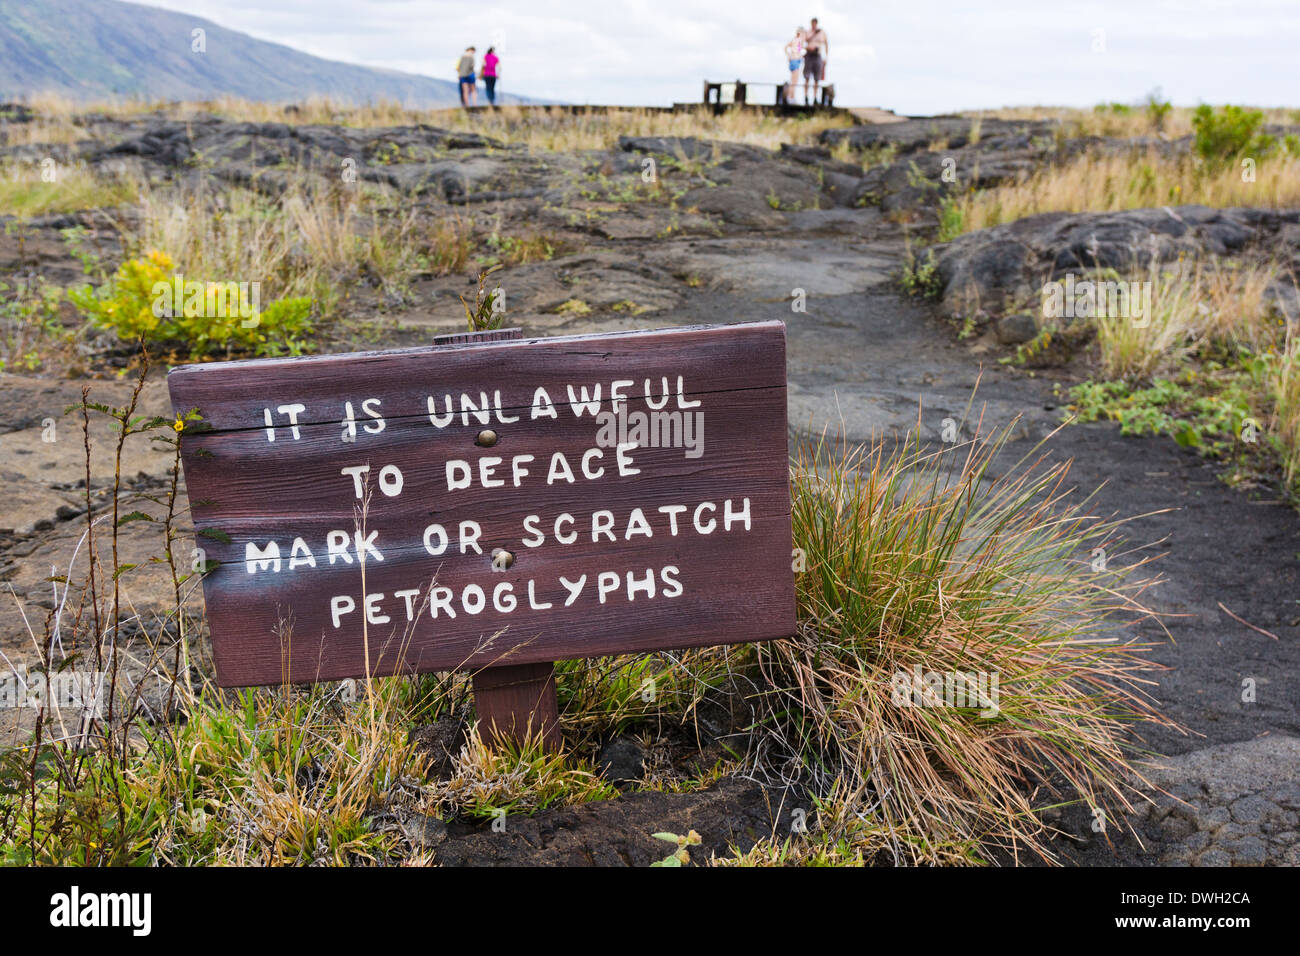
(816, 49)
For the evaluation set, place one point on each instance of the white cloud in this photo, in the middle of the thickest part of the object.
(921, 56)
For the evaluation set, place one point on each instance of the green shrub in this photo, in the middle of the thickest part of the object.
(1230, 133)
(29, 322)
(922, 278)
(1157, 109)
(952, 218)
(129, 305)
(1205, 414)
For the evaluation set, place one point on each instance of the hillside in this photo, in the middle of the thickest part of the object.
(99, 49)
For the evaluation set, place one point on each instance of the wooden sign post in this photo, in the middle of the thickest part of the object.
(492, 506)
(512, 701)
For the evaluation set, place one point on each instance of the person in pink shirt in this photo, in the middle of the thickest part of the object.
(491, 70)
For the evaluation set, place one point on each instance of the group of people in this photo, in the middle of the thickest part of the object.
(807, 51)
(468, 76)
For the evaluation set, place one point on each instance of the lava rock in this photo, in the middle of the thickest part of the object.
(1016, 329)
(441, 741)
(622, 761)
(424, 831)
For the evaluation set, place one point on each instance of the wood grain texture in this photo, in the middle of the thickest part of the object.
(514, 703)
(728, 585)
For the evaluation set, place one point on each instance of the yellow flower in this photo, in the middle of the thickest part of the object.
(178, 425)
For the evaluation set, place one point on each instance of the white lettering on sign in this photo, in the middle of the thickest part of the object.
(623, 423)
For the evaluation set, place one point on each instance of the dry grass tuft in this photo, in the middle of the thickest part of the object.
(924, 562)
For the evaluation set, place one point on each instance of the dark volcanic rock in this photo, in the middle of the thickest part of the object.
(918, 134)
(622, 760)
(425, 832)
(992, 270)
(683, 146)
(441, 741)
(1018, 328)
(733, 812)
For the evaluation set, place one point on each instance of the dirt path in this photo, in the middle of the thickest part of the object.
(866, 358)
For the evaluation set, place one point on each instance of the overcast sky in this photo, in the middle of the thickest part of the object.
(913, 56)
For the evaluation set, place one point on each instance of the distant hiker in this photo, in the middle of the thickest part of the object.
(465, 70)
(816, 49)
(491, 70)
(794, 60)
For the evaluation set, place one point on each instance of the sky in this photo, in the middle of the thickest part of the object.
(919, 57)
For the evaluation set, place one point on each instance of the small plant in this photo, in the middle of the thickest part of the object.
(921, 278)
(682, 855)
(128, 303)
(1207, 419)
(1279, 372)
(24, 192)
(1157, 110)
(488, 312)
(521, 250)
(952, 218)
(449, 243)
(627, 305)
(573, 307)
(29, 321)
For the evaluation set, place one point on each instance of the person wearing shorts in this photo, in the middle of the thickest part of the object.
(465, 71)
(794, 60)
(816, 48)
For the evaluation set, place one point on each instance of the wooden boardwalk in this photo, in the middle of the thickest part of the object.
(861, 115)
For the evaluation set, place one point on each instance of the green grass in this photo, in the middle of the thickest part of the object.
(25, 194)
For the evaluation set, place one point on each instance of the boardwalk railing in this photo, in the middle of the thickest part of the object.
(736, 92)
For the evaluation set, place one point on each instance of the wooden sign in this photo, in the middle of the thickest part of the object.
(478, 505)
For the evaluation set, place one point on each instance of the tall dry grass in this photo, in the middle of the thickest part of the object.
(1107, 182)
(926, 561)
(1134, 122)
(1282, 379)
(306, 242)
(1194, 304)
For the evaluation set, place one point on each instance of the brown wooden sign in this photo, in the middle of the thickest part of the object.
(479, 505)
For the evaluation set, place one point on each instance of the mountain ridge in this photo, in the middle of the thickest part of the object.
(112, 49)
